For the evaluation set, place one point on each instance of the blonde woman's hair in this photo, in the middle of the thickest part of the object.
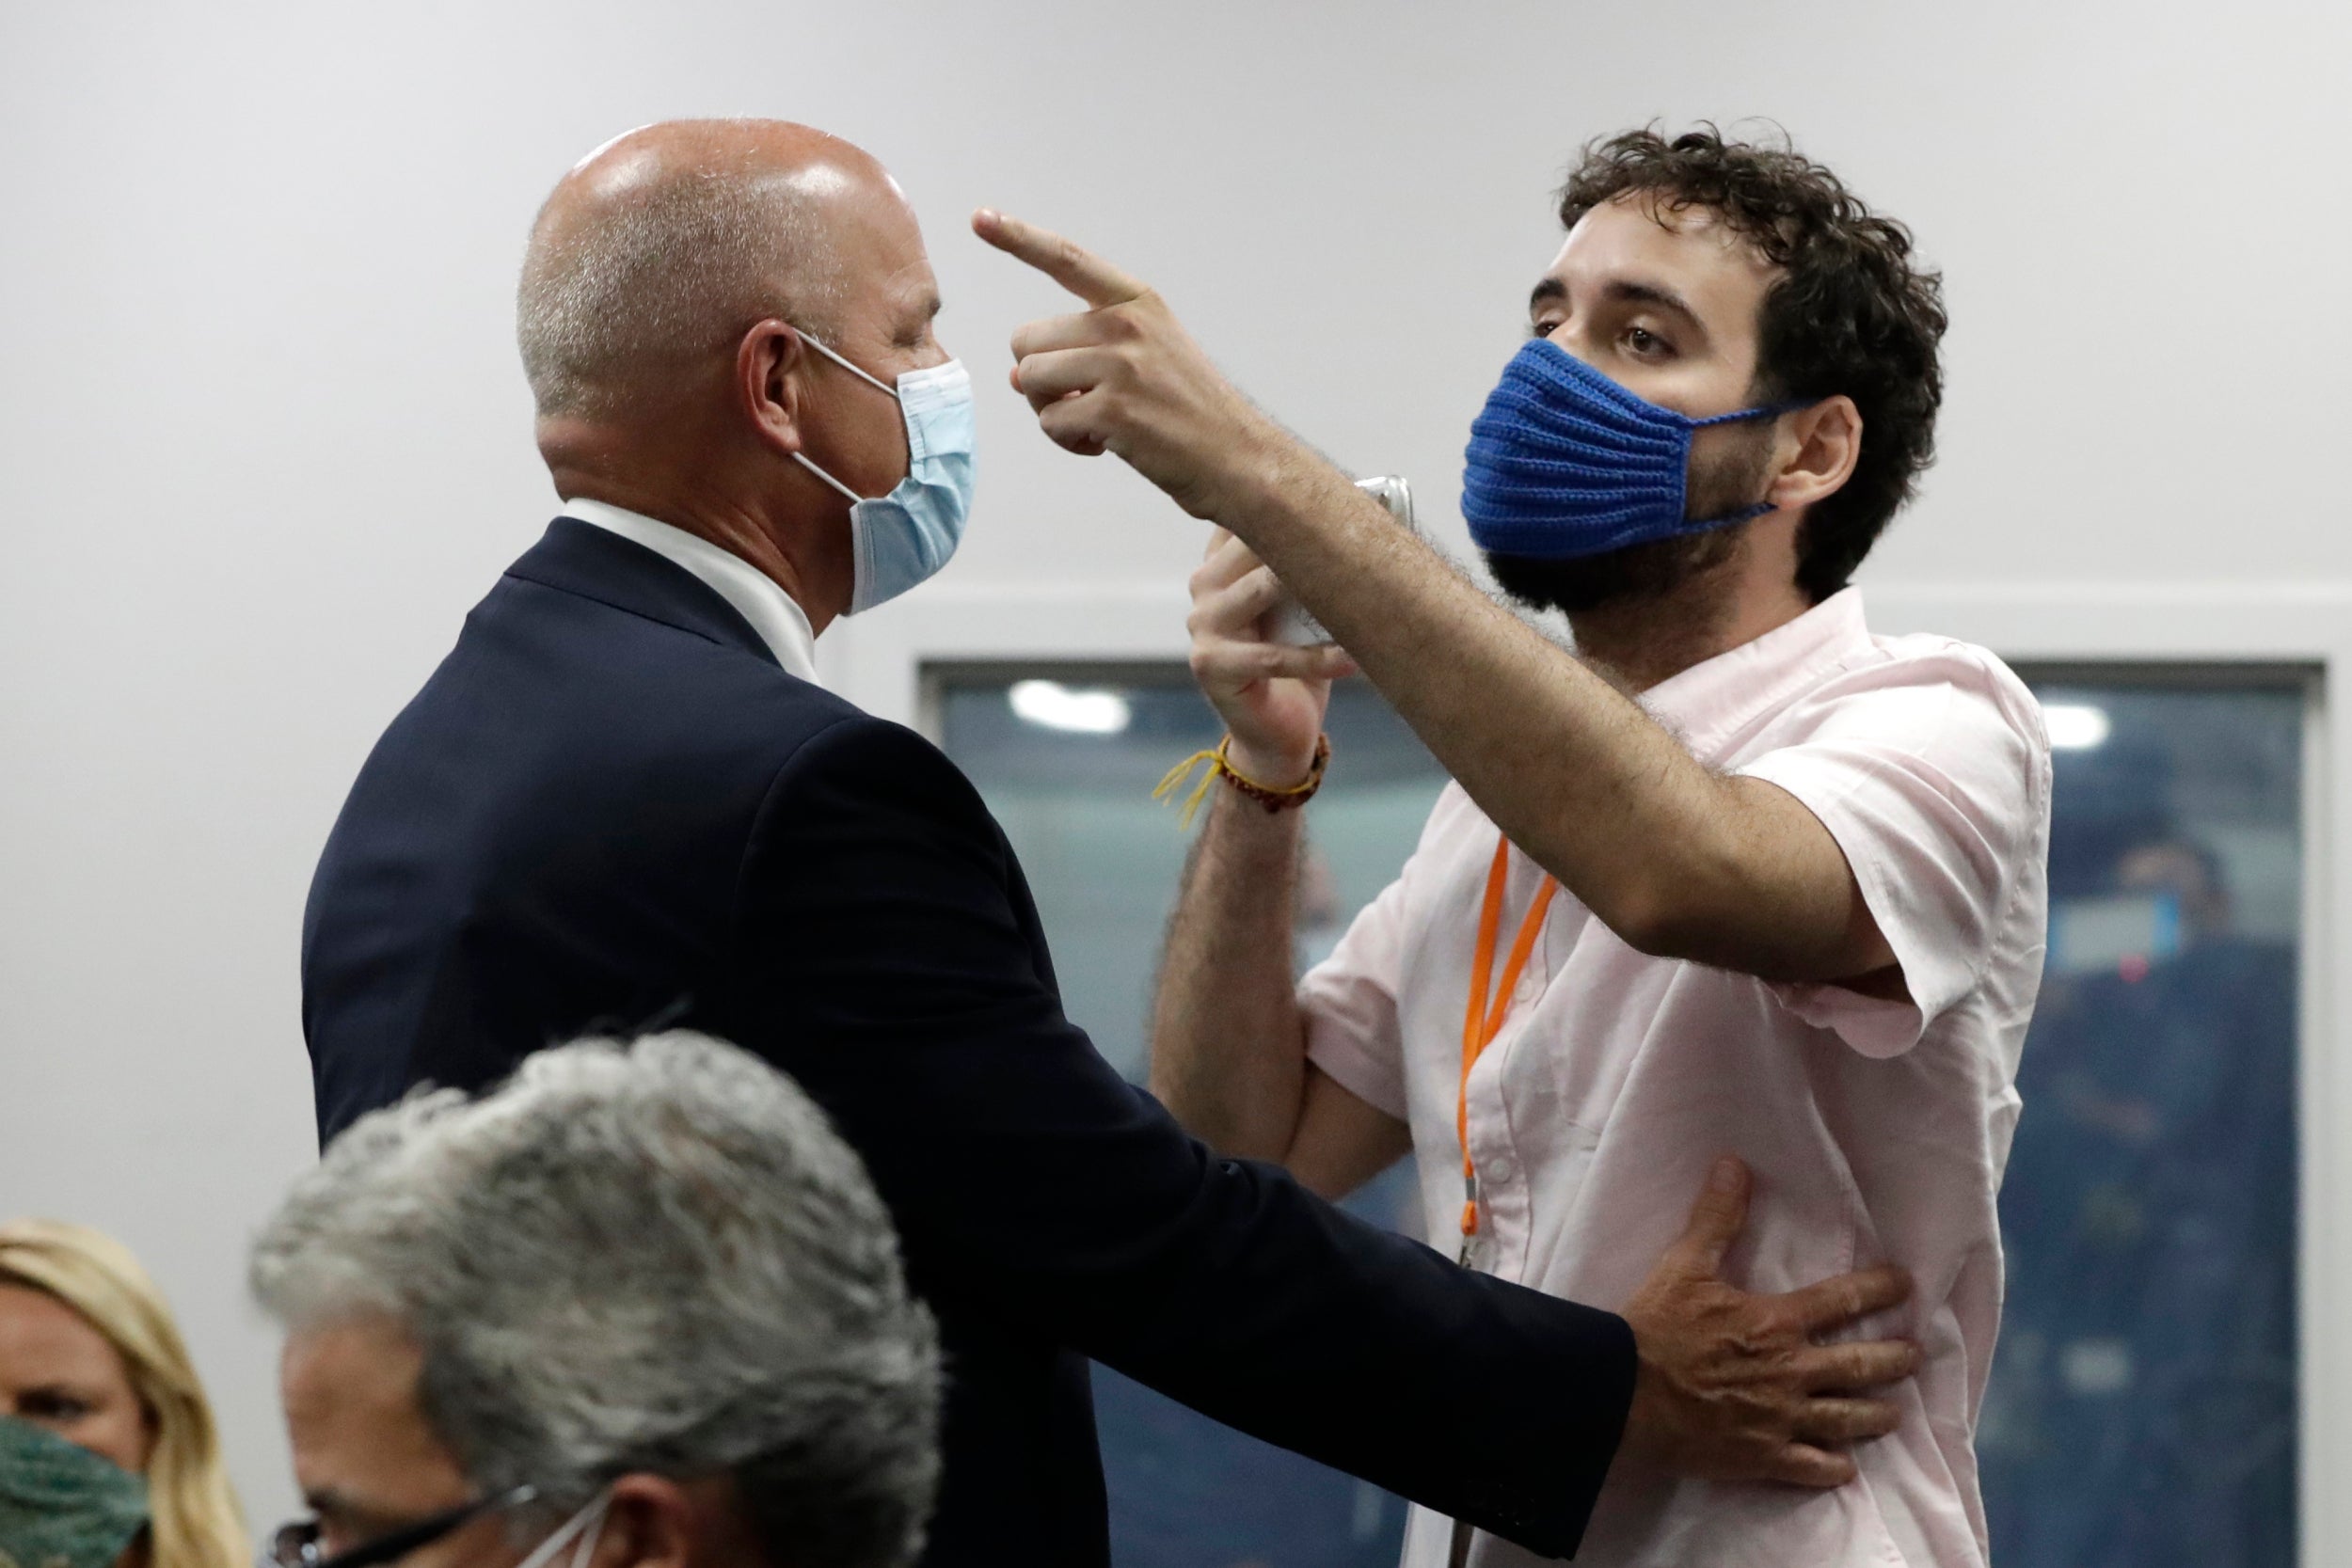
(194, 1518)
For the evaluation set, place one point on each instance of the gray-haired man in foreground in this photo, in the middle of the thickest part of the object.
(640, 1307)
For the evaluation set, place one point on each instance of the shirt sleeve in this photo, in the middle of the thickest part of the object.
(1349, 999)
(1935, 789)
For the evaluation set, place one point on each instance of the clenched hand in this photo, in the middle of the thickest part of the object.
(1731, 1386)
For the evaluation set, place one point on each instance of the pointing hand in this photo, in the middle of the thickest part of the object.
(1124, 376)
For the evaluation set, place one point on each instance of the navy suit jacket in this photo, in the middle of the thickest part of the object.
(609, 807)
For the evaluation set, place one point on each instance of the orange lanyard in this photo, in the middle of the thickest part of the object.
(1483, 1020)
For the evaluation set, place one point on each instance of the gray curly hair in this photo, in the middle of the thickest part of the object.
(651, 1257)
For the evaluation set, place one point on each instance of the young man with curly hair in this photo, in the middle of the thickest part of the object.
(1736, 875)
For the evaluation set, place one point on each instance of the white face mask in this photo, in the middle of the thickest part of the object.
(588, 1524)
(906, 537)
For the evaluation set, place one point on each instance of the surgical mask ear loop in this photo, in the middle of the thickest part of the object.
(593, 1531)
(810, 339)
(588, 1524)
(801, 459)
(874, 381)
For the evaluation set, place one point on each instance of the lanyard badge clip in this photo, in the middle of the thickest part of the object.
(1469, 1218)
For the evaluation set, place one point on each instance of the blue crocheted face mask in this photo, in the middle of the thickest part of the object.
(1563, 463)
(62, 1506)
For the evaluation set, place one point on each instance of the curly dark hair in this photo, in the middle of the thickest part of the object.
(1853, 312)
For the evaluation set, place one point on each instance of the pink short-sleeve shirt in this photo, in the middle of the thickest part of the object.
(1877, 1129)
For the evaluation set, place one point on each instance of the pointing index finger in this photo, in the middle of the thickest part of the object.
(1072, 266)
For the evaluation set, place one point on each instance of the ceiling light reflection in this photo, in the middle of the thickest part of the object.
(1055, 706)
(2075, 726)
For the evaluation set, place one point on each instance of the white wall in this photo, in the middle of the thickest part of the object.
(263, 438)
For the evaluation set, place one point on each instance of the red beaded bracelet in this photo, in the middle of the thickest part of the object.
(1265, 795)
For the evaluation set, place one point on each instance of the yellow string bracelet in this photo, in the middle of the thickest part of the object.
(1265, 795)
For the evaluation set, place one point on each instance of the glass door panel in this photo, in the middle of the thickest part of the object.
(2142, 1403)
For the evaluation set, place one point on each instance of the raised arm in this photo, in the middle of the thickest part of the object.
(1677, 861)
(1229, 1045)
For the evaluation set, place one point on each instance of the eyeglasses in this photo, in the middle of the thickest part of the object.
(296, 1544)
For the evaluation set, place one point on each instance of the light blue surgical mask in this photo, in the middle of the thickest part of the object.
(905, 537)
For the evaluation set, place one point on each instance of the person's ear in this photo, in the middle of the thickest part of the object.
(651, 1522)
(769, 361)
(1820, 445)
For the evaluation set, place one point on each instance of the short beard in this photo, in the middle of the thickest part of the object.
(1660, 568)
(1638, 573)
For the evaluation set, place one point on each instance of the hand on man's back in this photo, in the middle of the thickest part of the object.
(1732, 1386)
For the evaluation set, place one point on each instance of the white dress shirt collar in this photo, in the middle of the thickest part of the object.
(781, 623)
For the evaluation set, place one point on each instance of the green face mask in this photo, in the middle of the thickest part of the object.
(62, 1506)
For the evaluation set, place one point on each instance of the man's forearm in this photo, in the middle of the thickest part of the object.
(1576, 774)
(1227, 1043)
